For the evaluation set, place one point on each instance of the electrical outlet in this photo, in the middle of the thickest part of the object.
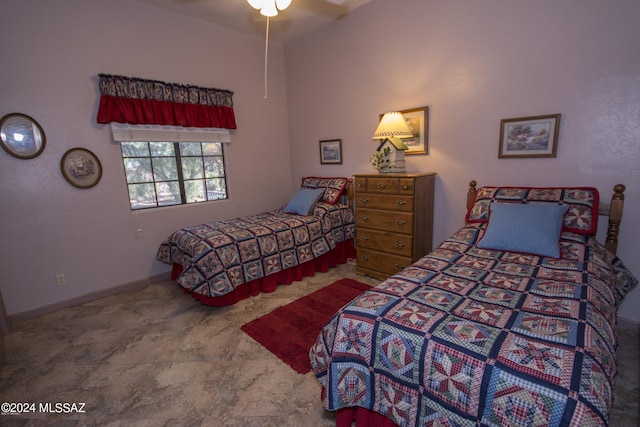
(61, 279)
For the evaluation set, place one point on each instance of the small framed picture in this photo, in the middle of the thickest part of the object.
(331, 152)
(81, 168)
(535, 136)
(418, 121)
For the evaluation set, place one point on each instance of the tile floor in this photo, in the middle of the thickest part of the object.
(155, 357)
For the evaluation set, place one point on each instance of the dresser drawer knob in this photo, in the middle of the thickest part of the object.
(400, 267)
(364, 258)
(400, 222)
(381, 186)
(400, 245)
(364, 238)
(364, 218)
(405, 187)
(364, 201)
(401, 202)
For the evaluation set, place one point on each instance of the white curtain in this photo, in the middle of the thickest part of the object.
(125, 132)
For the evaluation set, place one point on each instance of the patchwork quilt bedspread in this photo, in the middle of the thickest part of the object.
(219, 256)
(469, 336)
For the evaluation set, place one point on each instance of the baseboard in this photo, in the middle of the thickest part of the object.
(82, 299)
(6, 321)
(633, 325)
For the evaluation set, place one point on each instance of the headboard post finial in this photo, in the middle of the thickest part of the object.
(618, 191)
(350, 192)
(615, 217)
(471, 193)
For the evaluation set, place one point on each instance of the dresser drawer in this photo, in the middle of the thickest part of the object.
(396, 222)
(399, 244)
(382, 262)
(387, 202)
(384, 185)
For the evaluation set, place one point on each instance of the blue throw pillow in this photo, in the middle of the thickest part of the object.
(530, 228)
(304, 201)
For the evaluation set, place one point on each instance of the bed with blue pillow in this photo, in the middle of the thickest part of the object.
(509, 322)
(222, 262)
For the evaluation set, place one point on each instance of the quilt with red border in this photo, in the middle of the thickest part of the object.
(219, 256)
(479, 337)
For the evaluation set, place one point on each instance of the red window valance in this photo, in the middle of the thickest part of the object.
(151, 102)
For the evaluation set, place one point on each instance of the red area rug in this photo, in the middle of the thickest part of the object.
(290, 331)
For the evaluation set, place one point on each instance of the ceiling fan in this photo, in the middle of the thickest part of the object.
(270, 8)
(298, 18)
(334, 8)
(302, 16)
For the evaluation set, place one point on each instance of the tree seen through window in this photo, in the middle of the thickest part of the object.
(173, 173)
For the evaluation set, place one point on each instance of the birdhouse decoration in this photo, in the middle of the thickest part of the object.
(389, 157)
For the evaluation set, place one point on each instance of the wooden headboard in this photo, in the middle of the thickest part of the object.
(612, 209)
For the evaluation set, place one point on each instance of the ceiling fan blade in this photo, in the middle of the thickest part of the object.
(299, 18)
(331, 8)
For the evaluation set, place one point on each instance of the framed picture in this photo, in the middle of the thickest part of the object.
(418, 121)
(81, 168)
(331, 152)
(535, 136)
(21, 136)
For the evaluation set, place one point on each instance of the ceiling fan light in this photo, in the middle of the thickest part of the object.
(256, 4)
(283, 4)
(269, 8)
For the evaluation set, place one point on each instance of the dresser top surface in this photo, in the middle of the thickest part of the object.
(393, 175)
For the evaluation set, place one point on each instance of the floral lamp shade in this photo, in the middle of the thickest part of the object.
(392, 124)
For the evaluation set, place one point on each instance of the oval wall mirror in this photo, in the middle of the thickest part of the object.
(21, 136)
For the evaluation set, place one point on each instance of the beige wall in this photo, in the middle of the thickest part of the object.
(474, 63)
(52, 52)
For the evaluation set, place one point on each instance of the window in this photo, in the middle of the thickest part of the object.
(173, 173)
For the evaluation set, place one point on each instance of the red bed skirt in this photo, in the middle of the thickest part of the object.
(345, 417)
(363, 417)
(339, 255)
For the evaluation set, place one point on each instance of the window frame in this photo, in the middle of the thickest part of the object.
(181, 181)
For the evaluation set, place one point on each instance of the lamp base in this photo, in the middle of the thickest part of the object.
(393, 170)
(398, 167)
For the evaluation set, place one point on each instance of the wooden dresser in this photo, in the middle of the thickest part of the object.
(394, 221)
